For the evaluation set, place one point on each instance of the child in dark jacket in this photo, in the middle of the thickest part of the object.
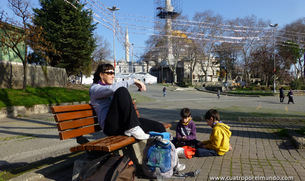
(186, 130)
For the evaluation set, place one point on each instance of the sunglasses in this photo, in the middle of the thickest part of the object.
(110, 73)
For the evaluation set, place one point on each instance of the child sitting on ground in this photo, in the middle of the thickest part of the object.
(186, 130)
(219, 142)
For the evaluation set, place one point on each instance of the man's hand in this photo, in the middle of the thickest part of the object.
(140, 85)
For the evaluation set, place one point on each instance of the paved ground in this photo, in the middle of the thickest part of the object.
(258, 151)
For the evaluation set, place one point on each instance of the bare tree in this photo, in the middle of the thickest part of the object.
(101, 53)
(247, 32)
(208, 28)
(20, 35)
(262, 63)
(15, 34)
(179, 45)
(291, 44)
(227, 54)
(194, 55)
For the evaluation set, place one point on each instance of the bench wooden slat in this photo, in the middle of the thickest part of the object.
(106, 144)
(76, 123)
(79, 132)
(78, 120)
(126, 140)
(68, 108)
(113, 143)
(137, 111)
(74, 115)
(167, 125)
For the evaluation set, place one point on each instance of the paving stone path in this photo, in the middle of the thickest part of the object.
(259, 151)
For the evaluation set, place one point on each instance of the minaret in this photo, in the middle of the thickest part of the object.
(127, 45)
(168, 14)
(169, 9)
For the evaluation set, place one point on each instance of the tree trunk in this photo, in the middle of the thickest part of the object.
(191, 75)
(175, 75)
(205, 75)
(25, 67)
(25, 71)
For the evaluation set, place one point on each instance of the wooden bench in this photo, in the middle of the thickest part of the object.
(74, 121)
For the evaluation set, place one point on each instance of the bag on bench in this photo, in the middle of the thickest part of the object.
(109, 168)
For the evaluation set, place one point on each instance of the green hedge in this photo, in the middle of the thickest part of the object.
(252, 92)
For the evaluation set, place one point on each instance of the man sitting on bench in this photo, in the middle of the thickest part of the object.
(114, 107)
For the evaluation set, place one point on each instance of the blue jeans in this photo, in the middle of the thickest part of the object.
(202, 152)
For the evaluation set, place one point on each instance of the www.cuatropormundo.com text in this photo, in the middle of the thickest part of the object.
(246, 178)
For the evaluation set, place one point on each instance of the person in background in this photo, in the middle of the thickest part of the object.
(282, 95)
(114, 107)
(290, 96)
(164, 91)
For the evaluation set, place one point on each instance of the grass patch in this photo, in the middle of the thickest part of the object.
(282, 132)
(233, 113)
(1, 174)
(50, 95)
(45, 95)
(28, 136)
(301, 131)
(140, 98)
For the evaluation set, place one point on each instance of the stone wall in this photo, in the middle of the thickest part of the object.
(11, 76)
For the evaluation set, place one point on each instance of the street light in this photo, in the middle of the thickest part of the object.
(273, 27)
(113, 9)
(132, 58)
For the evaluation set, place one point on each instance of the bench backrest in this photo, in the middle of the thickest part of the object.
(76, 120)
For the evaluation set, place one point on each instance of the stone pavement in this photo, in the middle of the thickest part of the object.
(258, 150)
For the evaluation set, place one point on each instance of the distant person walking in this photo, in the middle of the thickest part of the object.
(290, 96)
(282, 95)
(218, 93)
(164, 91)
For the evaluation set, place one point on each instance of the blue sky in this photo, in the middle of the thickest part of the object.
(138, 15)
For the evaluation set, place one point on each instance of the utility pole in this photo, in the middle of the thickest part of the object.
(113, 9)
(132, 58)
(274, 70)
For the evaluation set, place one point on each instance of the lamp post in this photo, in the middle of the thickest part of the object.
(273, 27)
(132, 58)
(113, 9)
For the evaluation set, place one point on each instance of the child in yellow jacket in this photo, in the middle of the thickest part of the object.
(219, 142)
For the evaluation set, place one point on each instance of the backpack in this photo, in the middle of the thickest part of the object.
(159, 156)
(108, 168)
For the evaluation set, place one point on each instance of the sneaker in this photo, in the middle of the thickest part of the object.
(180, 152)
(180, 167)
(137, 132)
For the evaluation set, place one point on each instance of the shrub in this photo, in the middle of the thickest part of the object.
(297, 84)
(301, 131)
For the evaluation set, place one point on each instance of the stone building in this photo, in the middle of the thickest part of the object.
(161, 69)
(122, 66)
(11, 69)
